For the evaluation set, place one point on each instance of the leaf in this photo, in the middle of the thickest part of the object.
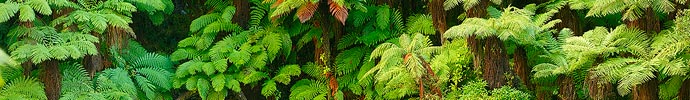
(218, 82)
(202, 21)
(338, 11)
(232, 84)
(26, 14)
(8, 11)
(269, 88)
(306, 11)
(203, 86)
(228, 13)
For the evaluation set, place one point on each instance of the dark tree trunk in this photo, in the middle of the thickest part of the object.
(521, 68)
(684, 92)
(51, 78)
(649, 22)
(599, 90)
(646, 91)
(543, 94)
(93, 63)
(478, 11)
(491, 53)
(323, 59)
(566, 89)
(495, 64)
(438, 15)
(28, 65)
(241, 13)
(568, 20)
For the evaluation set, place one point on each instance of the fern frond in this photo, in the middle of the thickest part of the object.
(8, 11)
(23, 88)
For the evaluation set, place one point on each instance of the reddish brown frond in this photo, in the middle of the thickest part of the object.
(306, 11)
(275, 4)
(338, 11)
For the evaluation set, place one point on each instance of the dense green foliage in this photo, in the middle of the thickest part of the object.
(344, 49)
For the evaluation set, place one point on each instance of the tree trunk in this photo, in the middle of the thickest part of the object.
(421, 88)
(684, 92)
(646, 91)
(92, 63)
(566, 89)
(324, 58)
(521, 68)
(543, 94)
(568, 20)
(478, 11)
(241, 13)
(28, 65)
(649, 22)
(495, 63)
(438, 15)
(51, 78)
(599, 90)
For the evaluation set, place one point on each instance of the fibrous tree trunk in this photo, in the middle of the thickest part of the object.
(521, 68)
(28, 65)
(438, 15)
(599, 90)
(566, 89)
(93, 63)
(489, 55)
(51, 78)
(646, 91)
(241, 16)
(323, 56)
(649, 22)
(543, 94)
(495, 63)
(684, 92)
(478, 11)
(568, 20)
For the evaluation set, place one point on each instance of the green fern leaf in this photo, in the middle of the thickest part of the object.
(269, 88)
(218, 82)
(26, 13)
(232, 84)
(204, 87)
(8, 11)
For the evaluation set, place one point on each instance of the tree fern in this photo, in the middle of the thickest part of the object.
(23, 88)
(152, 71)
(45, 43)
(110, 84)
(631, 9)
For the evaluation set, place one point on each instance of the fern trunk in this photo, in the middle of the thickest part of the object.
(438, 15)
(431, 77)
(241, 16)
(323, 56)
(478, 11)
(566, 90)
(543, 94)
(649, 22)
(28, 65)
(495, 63)
(569, 20)
(684, 92)
(94, 62)
(646, 91)
(521, 68)
(51, 78)
(599, 90)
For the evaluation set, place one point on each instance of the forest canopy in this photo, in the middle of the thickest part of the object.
(344, 49)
